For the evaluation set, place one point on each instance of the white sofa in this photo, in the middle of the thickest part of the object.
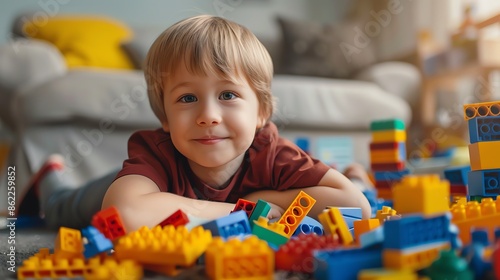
(87, 114)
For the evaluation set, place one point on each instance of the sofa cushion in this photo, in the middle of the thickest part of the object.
(84, 40)
(325, 50)
(89, 94)
(330, 104)
(137, 48)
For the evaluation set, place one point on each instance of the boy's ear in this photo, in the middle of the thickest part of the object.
(262, 120)
(164, 125)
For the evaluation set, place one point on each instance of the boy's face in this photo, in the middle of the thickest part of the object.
(211, 121)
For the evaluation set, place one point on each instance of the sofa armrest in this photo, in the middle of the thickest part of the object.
(29, 62)
(399, 78)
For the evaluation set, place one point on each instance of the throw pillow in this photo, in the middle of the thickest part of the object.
(316, 49)
(84, 40)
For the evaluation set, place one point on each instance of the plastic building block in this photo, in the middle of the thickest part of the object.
(334, 224)
(479, 259)
(484, 183)
(388, 166)
(371, 238)
(385, 193)
(425, 194)
(387, 146)
(272, 233)
(385, 212)
(449, 266)
(392, 124)
(346, 263)
(479, 215)
(483, 129)
(109, 268)
(415, 230)
(496, 259)
(297, 254)
(233, 224)
(178, 218)
(245, 205)
(351, 214)
(457, 175)
(481, 110)
(414, 258)
(304, 144)
(297, 210)
(248, 259)
(94, 242)
(459, 190)
(168, 270)
(388, 136)
(168, 245)
(484, 155)
(363, 226)
(261, 209)
(391, 176)
(68, 244)
(387, 274)
(309, 226)
(109, 222)
(44, 265)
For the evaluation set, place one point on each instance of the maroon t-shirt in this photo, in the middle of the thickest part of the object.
(271, 162)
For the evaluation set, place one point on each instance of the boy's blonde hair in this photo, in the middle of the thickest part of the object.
(209, 44)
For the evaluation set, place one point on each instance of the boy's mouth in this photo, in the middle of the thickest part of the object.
(209, 140)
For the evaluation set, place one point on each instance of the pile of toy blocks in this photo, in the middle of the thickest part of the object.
(388, 154)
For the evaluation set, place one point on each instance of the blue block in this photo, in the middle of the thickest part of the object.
(474, 253)
(457, 175)
(373, 237)
(345, 264)
(233, 224)
(482, 129)
(484, 183)
(309, 225)
(480, 236)
(350, 215)
(371, 195)
(96, 242)
(416, 230)
(390, 176)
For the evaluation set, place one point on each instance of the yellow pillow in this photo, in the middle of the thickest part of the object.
(85, 40)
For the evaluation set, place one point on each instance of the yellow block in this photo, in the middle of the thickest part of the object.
(333, 223)
(484, 155)
(385, 212)
(423, 194)
(386, 274)
(389, 136)
(415, 258)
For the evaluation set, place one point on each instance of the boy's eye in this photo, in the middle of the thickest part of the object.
(188, 99)
(227, 95)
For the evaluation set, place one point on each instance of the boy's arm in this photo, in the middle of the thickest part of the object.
(141, 203)
(334, 189)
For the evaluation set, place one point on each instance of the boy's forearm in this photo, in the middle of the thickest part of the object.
(152, 208)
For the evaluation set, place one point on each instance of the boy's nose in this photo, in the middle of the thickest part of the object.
(208, 116)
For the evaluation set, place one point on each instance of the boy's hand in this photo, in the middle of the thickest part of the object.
(276, 211)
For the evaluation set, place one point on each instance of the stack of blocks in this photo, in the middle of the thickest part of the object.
(484, 151)
(387, 154)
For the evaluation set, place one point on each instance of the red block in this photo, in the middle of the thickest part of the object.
(384, 146)
(297, 254)
(384, 184)
(496, 259)
(396, 166)
(109, 223)
(178, 218)
(458, 190)
(246, 205)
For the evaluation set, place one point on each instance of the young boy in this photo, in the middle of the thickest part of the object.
(209, 83)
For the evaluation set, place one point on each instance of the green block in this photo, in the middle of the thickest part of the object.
(449, 266)
(269, 235)
(393, 124)
(262, 208)
(477, 198)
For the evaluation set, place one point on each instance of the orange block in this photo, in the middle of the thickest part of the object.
(296, 212)
(363, 226)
